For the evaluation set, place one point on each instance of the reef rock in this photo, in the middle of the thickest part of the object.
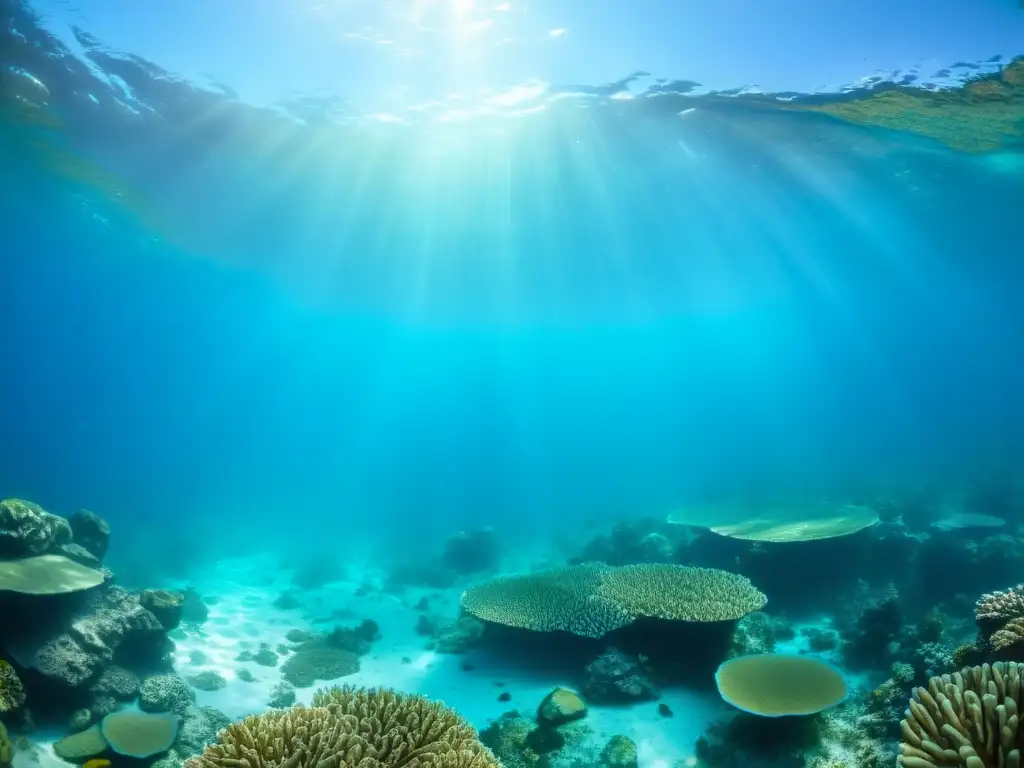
(165, 693)
(72, 652)
(91, 532)
(167, 606)
(27, 529)
(616, 678)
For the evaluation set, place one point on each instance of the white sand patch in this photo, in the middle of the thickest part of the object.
(244, 615)
(40, 753)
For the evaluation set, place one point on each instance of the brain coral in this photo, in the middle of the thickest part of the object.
(563, 598)
(969, 718)
(680, 593)
(353, 727)
(592, 599)
(139, 734)
(776, 685)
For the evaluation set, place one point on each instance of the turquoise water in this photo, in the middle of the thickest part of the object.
(295, 346)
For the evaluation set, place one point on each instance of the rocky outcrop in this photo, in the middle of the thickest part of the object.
(91, 532)
(73, 652)
(27, 529)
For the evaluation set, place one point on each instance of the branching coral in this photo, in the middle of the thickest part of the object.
(350, 727)
(678, 593)
(969, 718)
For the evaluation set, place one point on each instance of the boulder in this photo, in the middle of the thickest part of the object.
(72, 651)
(91, 532)
(27, 529)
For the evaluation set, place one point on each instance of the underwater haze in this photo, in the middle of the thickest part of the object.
(511, 384)
(382, 273)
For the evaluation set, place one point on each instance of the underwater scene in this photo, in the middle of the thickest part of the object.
(511, 384)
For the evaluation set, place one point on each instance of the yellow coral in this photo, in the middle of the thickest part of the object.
(349, 727)
(969, 718)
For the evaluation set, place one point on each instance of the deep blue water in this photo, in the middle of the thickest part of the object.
(375, 334)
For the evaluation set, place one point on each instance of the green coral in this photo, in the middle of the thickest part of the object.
(370, 728)
(508, 738)
(12, 692)
(316, 660)
(6, 749)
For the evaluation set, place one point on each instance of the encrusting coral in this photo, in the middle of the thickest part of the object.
(349, 726)
(593, 599)
(969, 718)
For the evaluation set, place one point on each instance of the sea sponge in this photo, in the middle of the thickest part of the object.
(139, 734)
(12, 692)
(776, 684)
(969, 718)
(364, 727)
(564, 598)
(680, 593)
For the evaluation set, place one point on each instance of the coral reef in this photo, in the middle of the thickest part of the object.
(619, 752)
(869, 642)
(561, 706)
(356, 640)
(91, 532)
(592, 599)
(615, 677)
(27, 529)
(315, 660)
(968, 718)
(165, 693)
(12, 692)
(346, 726)
(754, 633)
(138, 734)
(167, 606)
